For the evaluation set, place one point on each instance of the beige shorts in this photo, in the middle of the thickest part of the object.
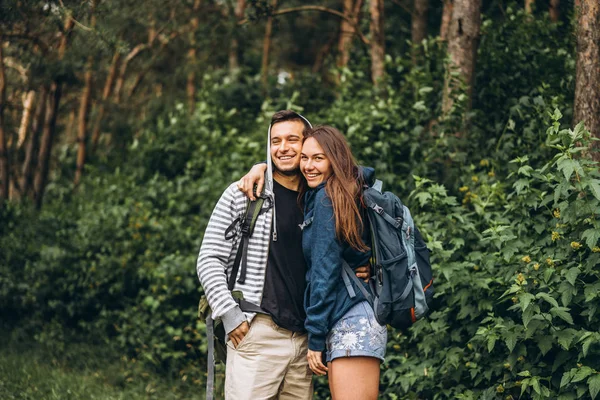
(269, 363)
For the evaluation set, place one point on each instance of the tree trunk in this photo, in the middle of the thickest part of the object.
(123, 70)
(191, 77)
(112, 73)
(84, 108)
(82, 122)
(4, 173)
(554, 10)
(463, 41)
(446, 19)
(49, 128)
(587, 81)
(264, 70)
(529, 6)
(32, 144)
(377, 41)
(26, 118)
(234, 63)
(347, 30)
(418, 27)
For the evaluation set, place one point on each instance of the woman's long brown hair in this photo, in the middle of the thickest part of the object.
(343, 186)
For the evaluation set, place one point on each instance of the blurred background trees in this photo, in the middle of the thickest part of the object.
(121, 122)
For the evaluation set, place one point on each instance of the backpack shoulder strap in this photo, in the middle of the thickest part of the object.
(253, 210)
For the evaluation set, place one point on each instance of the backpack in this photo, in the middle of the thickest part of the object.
(401, 282)
(215, 333)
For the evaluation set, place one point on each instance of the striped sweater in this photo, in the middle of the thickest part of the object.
(217, 255)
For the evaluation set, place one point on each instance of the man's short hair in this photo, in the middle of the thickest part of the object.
(289, 115)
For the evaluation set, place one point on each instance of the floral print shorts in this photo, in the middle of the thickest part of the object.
(357, 333)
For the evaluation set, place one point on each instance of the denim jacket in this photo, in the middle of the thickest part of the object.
(326, 299)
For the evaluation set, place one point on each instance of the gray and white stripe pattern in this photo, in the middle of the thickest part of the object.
(217, 255)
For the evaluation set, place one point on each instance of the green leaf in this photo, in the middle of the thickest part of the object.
(567, 166)
(491, 343)
(594, 385)
(545, 344)
(524, 373)
(546, 297)
(566, 378)
(525, 299)
(423, 197)
(582, 373)
(511, 341)
(562, 313)
(565, 337)
(572, 275)
(535, 383)
(591, 237)
(594, 186)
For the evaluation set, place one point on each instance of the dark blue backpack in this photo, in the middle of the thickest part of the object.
(402, 281)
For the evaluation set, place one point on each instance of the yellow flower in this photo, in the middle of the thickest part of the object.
(536, 266)
(463, 189)
(500, 389)
(491, 174)
(556, 213)
(526, 259)
(555, 236)
(475, 179)
(596, 249)
(484, 163)
(520, 278)
(575, 245)
(515, 299)
(550, 261)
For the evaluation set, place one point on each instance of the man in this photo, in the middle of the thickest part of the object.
(266, 352)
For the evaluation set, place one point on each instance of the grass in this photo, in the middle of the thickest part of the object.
(29, 370)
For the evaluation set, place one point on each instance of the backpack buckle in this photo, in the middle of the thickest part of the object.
(245, 229)
(378, 209)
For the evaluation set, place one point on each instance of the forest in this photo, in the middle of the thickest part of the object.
(122, 122)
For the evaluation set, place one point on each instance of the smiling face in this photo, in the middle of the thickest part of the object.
(286, 145)
(314, 164)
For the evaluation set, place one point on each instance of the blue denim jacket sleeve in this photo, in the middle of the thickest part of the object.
(325, 264)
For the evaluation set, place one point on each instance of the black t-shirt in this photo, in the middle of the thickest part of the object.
(283, 293)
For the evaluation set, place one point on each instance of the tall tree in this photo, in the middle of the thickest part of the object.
(347, 30)
(32, 143)
(554, 10)
(49, 128)
(234, 62)
(28, 101)
(446, 19)
(463, 41)
(529, 6)
(4, 173)
(587, 81)
(418, 26)
(84, 106)
(191, 77)
(108, 85)
(377, 41)
(267, 46)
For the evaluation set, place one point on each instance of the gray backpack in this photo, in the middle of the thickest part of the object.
(402, 281)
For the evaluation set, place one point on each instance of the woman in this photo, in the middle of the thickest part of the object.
(335, 231)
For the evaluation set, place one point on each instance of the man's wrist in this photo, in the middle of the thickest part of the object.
(232, 319)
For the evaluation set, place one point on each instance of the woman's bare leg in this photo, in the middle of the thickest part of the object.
(354, 378)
